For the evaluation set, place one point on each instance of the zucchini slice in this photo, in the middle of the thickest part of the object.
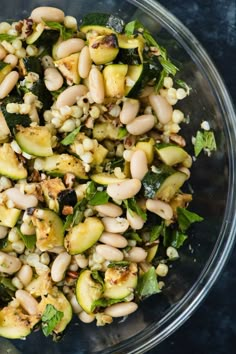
(114, 79)
(51, 189)
(37, 32)
(120, 281)
(87, 290)
(83, 236)
(15, 324)
(103, 49)
(147, 147)
(9, 217)
(10, 166)
(60, 302)
(130, 49)
(59, 165)
(102, 23)
(5, 131)
(171, 154)
(13, 119)
(105, 130)
(164, 183)
(49, 229)
(105, 178)
(68, 66)
(30, 64)
(134, 78)
(4, 70)
(35, 141)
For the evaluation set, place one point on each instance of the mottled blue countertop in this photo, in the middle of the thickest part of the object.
(212, 328)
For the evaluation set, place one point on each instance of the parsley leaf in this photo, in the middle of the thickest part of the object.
(118, 264)
(133, 236)
(122, 132)
(96, 197)
(29, 240)
(147, 284)
(177, 238)
(70, 138)
(7, 37)
(96, 276)
(156, 232)
(132, 206)
(65, 33)
(204, 141)
(185, 218)
(50, 318)
(77, 216)
(103, 302)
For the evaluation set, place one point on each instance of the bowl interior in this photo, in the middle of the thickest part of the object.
(210, 181)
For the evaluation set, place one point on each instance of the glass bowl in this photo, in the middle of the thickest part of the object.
(213, 183)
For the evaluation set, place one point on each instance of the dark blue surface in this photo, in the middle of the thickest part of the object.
(212, 328)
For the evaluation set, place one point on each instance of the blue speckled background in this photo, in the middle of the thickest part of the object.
(212, 329)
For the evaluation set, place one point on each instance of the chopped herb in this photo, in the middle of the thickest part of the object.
(118, 264)
(29, 240)
(70, 138)
(183, 84)
(147, 284)
(7, 37)
(96, 197)
(178, 238)
(122, 132)
(156, 232)
(132, 206)
(65, 33)
(133, 236)
(50, 319)
(7, 291)
(103, 302)
(169, 67)
(205, 140)
(3, 242)
(96, 276)
(185, 218)
(77, 216)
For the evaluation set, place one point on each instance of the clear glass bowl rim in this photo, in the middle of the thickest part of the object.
(156, 333)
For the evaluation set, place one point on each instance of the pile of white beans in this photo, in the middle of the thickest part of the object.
(84, 104)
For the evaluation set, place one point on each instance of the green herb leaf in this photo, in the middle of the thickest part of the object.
(205, 140)
(99, 198)
(118, 264)
(3, 242)
(185, 218)
(7, 37)
(122, 132)
(29, 240)
(133, 236)
(156, 232)
(148, 284)
(133, 26)
(103, 302)
(184, 85)
(77, 216)
(70, 138)
(50, 319)
(132, 206)
(178, 239)
(7, 291)
(96, 276)
(65, 33)
(168, 66)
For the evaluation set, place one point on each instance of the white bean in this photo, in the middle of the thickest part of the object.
(115, 240)
(25, 274)
(109, 253)
(3, 52)
(3, 231)
(75, 305)
(161, 107)
(138, 164)
(69, 96)
(20, 200)
(85, 63)
(47, 62)
(53, 79)
(115, 225)
(27, 229)
(9, 264)
(135, 221)
(141, 124)
(47, 13)
(124, 190)
(160, 208)
(11, 59)
(129, 111)
(136, 254)
(81, 260)
(121, 309)
(70, 46)
(109, 209)
(59, 266)
(86, 317)
(96, 85)
(8, 83)
(27, 301)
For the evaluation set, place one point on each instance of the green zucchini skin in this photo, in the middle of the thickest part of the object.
(30, 64)
(95, 20)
